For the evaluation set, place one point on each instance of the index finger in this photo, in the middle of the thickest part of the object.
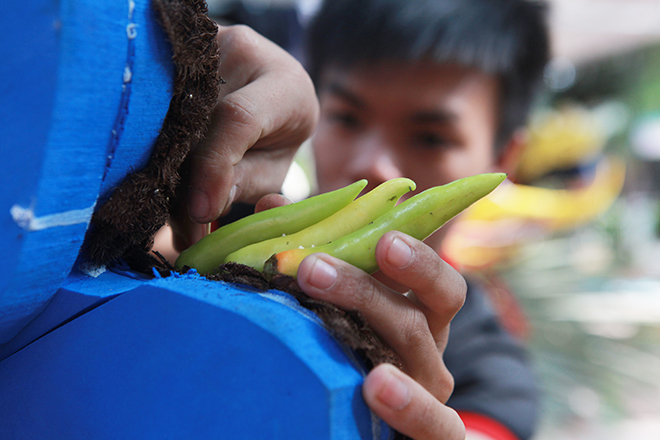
(437, 288)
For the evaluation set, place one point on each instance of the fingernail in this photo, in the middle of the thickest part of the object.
(322, 275)
(230, 199)
(399, 254)
(394, 393)
(198, 205)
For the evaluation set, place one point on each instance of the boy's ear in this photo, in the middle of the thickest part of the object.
(509, 157)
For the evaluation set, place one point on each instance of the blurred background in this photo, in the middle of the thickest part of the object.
(590, 293)
(572, 250)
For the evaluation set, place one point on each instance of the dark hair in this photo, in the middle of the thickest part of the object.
(506, 38)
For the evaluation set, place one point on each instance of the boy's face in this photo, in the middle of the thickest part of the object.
(431, 123)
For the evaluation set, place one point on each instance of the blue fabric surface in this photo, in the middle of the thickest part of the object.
(88, 84)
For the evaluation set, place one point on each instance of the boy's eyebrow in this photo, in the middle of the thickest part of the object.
(339, 90)
(434, 116)
(437, 116)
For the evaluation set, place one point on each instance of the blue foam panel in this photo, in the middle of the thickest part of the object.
(185, 358)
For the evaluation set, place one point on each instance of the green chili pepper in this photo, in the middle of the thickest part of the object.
(348, 219)
(208, 253)
(418, 217)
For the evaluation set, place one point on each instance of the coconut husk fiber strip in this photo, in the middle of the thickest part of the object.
(139, 206)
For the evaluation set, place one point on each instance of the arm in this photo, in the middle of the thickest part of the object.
(266, 109)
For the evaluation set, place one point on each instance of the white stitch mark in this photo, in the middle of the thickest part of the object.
(131, 8)
(26, 219)
(131, 31)
(127, 74)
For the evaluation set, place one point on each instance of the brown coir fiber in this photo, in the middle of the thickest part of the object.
(140, 205)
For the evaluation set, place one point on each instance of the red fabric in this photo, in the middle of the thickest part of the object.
(486, 426)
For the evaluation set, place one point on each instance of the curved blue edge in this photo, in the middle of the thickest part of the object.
(83, 79)
(184, 358)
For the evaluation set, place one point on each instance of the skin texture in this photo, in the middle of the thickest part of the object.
(266, 109)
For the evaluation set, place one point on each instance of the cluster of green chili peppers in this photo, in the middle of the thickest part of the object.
(336, 223)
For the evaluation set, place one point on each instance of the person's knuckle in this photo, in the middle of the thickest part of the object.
(242, 37)
(211, 162)
(442, 383)
(456, 297)
(239, 109)
(365, 297)
(453, 288)
(415, 330)
(426, 270)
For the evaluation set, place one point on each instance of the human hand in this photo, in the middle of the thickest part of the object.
(408, 407)
(414, 325)
(266, 109)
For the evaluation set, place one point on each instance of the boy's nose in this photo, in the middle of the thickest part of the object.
(375, 160)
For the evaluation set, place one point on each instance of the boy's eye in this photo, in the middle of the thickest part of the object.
(430, 140)
(345, 119)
